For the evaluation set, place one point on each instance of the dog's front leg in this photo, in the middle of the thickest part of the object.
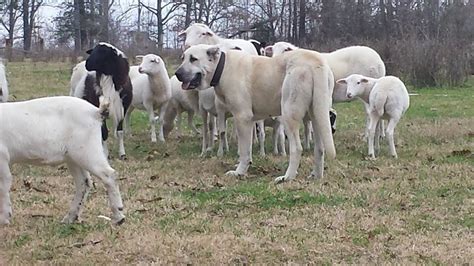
(244, 138)
(221, 128)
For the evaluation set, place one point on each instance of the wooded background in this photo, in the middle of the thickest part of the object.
(426, 42)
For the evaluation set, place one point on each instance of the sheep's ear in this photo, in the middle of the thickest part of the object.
(268, 50)
(364, 80)
(341, 81)
(139, 56)
(182, 34)
(89, 51)
(213, 51)
(208, 33)
(288, 49)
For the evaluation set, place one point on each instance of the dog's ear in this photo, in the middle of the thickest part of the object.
(341, 81)
(213, 52)
(364, 80)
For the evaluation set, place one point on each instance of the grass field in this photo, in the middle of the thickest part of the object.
(182, 209)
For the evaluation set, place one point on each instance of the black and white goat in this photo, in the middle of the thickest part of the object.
(106, 74)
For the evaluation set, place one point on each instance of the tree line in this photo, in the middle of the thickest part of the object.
(429, 42)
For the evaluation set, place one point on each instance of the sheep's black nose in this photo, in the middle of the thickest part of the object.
(179, 74)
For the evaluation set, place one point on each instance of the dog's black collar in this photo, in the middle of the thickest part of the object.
(219, 69)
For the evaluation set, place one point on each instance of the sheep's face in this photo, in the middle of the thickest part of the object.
(103, 59)
(198, 66)
(151, 64)
(280, 48)
(356, 85)
(198, 34)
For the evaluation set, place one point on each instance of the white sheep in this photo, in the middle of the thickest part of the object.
(51, 131)
(3, 84)
(361, 60)
(387, 98)
(181, 101)
(79, 71)
(151, 91)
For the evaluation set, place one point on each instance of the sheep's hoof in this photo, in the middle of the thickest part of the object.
(282, 179)
(120, 222)
(68, 219)
(123, 157)
(233, 173)
(371, 157)
(314, 176)
(4, 222)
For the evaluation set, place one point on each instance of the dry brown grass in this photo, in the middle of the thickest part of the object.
(181, 208)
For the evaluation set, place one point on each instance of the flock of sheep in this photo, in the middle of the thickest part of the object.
(218, 78)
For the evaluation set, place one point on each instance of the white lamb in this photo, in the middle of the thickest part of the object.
(361, 60)
(51, 131)
(79, 71)
(151, 91)
(181, 101)
(3, 84)
(387, 98)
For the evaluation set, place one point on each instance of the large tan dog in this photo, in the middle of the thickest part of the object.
(256, 87)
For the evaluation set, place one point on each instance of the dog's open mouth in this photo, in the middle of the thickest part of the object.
(194, 83)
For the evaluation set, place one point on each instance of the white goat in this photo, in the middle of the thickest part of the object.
(151, 91)
(199, 33)
(344, 62)
(3, 84)
(55, 130)
(181, 101)
(387, 98)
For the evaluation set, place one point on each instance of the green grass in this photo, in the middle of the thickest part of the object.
(182, 209)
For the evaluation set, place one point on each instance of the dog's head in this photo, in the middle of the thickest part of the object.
(198, 66)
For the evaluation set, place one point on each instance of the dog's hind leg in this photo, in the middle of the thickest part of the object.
(295, 103)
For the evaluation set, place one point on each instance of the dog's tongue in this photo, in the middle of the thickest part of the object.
(185, 85)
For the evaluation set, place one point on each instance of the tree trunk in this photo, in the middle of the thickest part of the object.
(187, 20)
(26, 27)
(104, 33)
(159, 22)
(295, 22)
(302, 17)
(77, 28)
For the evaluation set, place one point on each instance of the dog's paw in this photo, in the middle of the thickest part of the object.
(283, 178)
(233, 174)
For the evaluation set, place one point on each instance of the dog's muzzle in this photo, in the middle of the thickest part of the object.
(188, 84)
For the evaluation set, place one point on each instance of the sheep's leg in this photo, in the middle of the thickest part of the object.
(261, 136)
(318, 167)
(105, 136)
(382, 128)
(191, 123)
(221, 129)
(307, 133)
(5, 185)
(205, 132)
(373, 118)
(163, 108)
(83, 184)
(367, 120)
(392, 123)
(128, 123)
(121, 145)
(377, 138)
(244, 126)
(281, 138)
(108, 177)
(179, 124)
(275, 138)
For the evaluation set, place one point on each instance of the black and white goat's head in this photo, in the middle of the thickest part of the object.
(106, 59)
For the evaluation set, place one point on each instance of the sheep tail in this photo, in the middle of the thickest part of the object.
(104, 108)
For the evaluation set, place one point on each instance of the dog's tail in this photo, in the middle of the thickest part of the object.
(322, 99)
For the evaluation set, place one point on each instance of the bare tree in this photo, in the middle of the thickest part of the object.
(30, 7)
(10, 15)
